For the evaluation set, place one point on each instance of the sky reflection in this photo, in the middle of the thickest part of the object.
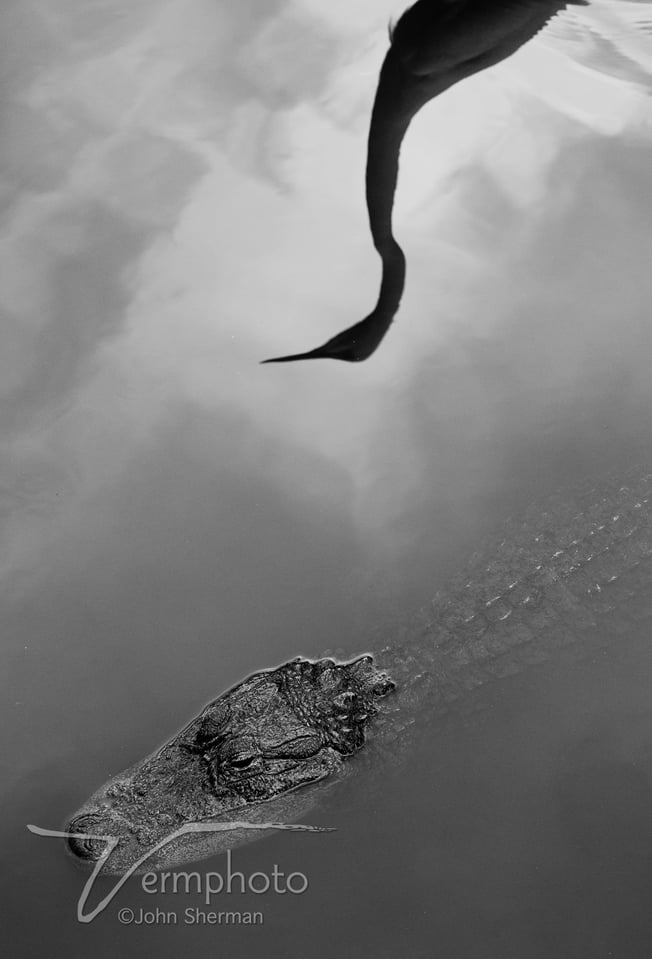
(183, 196)
(181, 186)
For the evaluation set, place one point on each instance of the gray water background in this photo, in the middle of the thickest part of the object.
(175, 516)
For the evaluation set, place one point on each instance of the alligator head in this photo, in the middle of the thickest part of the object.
(277, 730)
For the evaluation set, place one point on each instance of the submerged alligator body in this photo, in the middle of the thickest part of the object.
(546, 584)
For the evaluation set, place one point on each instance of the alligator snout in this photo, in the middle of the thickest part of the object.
(89, 834)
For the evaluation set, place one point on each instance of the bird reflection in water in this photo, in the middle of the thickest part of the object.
(434, 45)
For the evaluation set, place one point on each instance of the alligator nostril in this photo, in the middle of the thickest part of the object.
(81, 844)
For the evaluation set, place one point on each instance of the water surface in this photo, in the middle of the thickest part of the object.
(181, 187)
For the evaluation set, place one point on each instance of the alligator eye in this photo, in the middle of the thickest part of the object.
(242, 763)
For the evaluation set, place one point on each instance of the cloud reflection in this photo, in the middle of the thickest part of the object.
(153, 259)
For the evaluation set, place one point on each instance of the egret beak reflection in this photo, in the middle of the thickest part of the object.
(353, 345)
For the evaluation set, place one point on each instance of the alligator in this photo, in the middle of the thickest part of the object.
(275, 731)
(261, 751)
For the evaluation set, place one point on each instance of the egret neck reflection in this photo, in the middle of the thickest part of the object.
(434, 44)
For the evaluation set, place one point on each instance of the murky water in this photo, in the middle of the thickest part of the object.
(181, 187)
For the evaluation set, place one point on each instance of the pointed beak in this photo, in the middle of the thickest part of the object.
(320, 353)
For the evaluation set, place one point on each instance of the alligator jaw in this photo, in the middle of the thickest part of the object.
(238, 760)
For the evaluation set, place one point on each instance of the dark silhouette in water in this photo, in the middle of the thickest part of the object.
(435, 44)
